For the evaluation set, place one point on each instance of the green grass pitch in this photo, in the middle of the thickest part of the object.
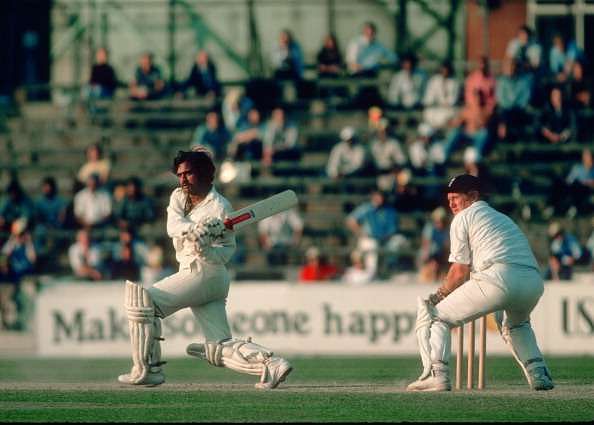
(343, 389)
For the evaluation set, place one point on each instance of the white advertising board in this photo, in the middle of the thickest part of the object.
(82, 319)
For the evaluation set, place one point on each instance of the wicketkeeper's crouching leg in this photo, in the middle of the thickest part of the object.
(145, 337)
(244, 357)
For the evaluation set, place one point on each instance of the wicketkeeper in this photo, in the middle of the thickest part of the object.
(203, 246)
(493, 269)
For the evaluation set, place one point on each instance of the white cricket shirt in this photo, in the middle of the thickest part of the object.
(178, 224)
(481, 236)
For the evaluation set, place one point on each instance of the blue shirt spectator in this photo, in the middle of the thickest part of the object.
(15, 205)
(212, 134)
(565, 251)
(203, 77)
(287, 58)
(377, 219)
(147, 82)
(50, 207)
(513, 90)
(562, 55)
(365, 53)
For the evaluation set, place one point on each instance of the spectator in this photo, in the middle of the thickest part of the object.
(147, 84)
(329, 59)
(579, 87)
(15, 205)
(405, 194)
(386, 151)
(407, 85)
(434, 250)
(556, 120)
(279, 235)
(213, 134)
(280, 139)
(524, 50)
(95, 164)
(365, 53)
(203, 77)
(375, 115)
(287, 58)
(562, 57)
(92, 205)
(470, 126)
(358, 273)
(565, 251)
(50, 214)
(317, 267)
(573, 194)
(103, 81)
(347, 158)
(375, 225)
(441, 97)
(135, 209)
(479, 89)
(86, 257)
(127, 257)
(154, 270)
(246, 144)
(18, 260)
(235, 108)
(513, 91)
(426, 153)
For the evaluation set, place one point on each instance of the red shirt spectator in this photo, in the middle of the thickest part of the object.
(316, 267)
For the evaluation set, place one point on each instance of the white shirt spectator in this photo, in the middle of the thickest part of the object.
(92, 207)
(440, 100)
(406, 88)
(345, 158)
(387, 153)
(78, 257)
(280, 229)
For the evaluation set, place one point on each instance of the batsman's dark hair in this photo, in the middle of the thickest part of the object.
(200, 160)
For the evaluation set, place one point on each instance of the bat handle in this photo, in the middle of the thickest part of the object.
(228, 224)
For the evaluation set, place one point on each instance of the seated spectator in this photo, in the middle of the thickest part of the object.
(433, 253)
(347, 158)
(470, 127)
(246, 144)
(479, 89)
(407, 85)
(50, 214)
(18, 260)
(92, 205)
(404, 193)
(441, 97)
(16, 204)
(203, 77)
(386, 151)
(153, 270)
(573, 194)
(86, 257)
(279, 235)
(287, 58)
(562, 55)
(103, 81)
(375, 226)
(128, 255)
(235, 108)
(525, 51)
(365, 53)
(426, 153)
(329, 58)
(513, 91)
(212, 134)
(579, 88)
(565, 251)
(135, 209)
(556, 120)
(280, 139)
(375, 115)
(316, 267)
(95, 164)
(147, 83)
(358, 273)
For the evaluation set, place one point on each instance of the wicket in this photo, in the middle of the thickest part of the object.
(470, 354)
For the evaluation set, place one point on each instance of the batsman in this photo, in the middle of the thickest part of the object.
(203, 245)
(493, 270)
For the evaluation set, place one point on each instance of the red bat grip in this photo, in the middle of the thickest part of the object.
(230, 222)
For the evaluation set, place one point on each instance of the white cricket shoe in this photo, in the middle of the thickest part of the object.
(540, 379)
(152, 379)
(277, 370)
(436, 381)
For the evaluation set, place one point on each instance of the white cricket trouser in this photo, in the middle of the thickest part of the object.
(512, 288)
(201, 287)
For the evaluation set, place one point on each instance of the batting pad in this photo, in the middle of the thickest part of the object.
(145, 332)
(238, 355)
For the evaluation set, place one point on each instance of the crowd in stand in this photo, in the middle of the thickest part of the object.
(478, 112)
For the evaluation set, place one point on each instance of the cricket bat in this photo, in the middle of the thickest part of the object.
(260, 210)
